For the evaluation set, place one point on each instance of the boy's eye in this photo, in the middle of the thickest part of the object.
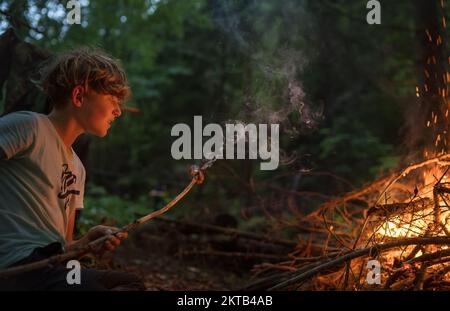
(115, 101)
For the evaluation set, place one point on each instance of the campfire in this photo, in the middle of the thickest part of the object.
(400, 222)
(425, 214)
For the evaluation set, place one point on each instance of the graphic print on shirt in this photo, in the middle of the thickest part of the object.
(67, 180)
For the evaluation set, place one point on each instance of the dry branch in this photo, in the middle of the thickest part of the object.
(388, 210)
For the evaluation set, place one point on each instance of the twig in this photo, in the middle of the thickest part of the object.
(442, 272)
(351, 195)
(413, 167)
(430, 256)
(19, 21)
(394, 277)
(418, 281)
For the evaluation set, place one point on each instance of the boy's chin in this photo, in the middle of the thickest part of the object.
(99, 133)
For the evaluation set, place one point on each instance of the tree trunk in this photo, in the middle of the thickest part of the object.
(432, 86)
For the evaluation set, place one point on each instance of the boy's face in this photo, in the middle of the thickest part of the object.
(98, 111)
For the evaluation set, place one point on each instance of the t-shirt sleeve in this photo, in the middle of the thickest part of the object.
(17, 133)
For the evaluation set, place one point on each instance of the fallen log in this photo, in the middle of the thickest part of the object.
(236, 255)
(228, 231)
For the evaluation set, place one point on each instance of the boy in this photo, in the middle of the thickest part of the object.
(42, 179)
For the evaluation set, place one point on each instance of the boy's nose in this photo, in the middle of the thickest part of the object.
(117, 111)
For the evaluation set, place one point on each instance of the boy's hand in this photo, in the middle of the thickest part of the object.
(111, 243)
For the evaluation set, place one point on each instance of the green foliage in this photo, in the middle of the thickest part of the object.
(110, 209)
(228, 60)
(346, 142)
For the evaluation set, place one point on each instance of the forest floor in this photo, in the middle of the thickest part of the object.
(159, 256)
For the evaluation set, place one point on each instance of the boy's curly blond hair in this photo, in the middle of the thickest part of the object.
(88, 67)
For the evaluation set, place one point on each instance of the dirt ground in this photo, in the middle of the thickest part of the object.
(159, 257)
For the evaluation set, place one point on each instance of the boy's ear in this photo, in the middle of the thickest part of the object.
(77, 96)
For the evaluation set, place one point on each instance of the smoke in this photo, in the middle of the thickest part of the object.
(229, 21)
(273, 92)
(286, 101)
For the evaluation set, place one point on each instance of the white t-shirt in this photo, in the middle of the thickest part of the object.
(41, 185)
